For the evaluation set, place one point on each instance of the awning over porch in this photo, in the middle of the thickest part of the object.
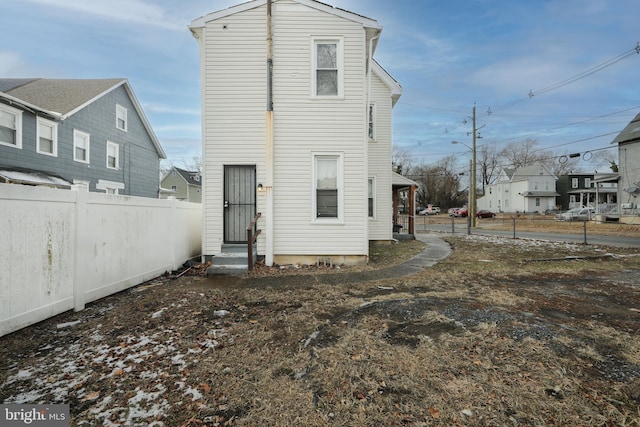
(402, 183)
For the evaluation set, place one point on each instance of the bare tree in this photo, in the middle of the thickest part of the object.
(488, 158)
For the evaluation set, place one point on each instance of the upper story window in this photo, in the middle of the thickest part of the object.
(372, 122)
(81, 146)
(121, 117)
(371, 197)
(327, 67)
(113, 155)
(10, 126)
(327, 186)
(47, 137)
(574, 182)
(535, 185)
(587, 183)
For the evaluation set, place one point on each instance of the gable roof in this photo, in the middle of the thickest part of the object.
(630, 133)
(189, 176)
(524, 173)
(366, 22)
(61, 98)
(392, 84)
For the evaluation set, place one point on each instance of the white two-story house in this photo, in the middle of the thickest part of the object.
(296, 127)
(526, 189)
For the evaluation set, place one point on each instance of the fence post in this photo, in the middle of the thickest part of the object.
(80, 228)
(585, 231)
(453, 226)
(514, 227)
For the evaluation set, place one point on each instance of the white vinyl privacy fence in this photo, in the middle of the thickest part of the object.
(61, 249)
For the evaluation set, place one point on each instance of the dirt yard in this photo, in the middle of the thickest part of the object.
(502, 333)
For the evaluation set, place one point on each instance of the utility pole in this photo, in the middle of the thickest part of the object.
(472, 202)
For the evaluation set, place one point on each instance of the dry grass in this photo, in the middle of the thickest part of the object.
(484, 338)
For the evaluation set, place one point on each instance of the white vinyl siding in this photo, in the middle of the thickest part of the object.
(233, 57)
(47, 137)
(234, 107)
(81, 146)
(10, 126)
(305, 126)
(380, 227)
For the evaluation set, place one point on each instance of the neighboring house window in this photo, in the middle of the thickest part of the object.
(537, 201)
(372, 122)
(121, 117)
(174, 188)
(80, 146)
(327, 66)
(10, 126)
(587, 183)
(535, 185)
(574, 182)
(506, 203)
(113, 155)
(572, 199)
(371, 197)
(327, 183)
(546, 186)
(47, 137)
(109, 187)
(81, 185)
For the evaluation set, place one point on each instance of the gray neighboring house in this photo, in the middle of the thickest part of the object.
(85, 133)
(629, 158)
(182, 184)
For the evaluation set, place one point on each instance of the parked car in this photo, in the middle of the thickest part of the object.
(461, 212)
(485, 214)
(576, 214)
(433, 210)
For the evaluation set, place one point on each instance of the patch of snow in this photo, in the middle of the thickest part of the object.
(196, 395)
(67, 324)
(220, 313)
(159, 313)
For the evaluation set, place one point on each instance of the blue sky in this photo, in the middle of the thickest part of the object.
(447, 55)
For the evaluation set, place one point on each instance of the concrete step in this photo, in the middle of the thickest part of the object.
(227, 270)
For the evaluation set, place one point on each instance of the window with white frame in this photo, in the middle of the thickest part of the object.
(537, 201)
(371, 194)
(574, 182)
(121, 117)
(587, 183)
(10, 126)
(372, 122)
(47, 137)
(327, 186)
(546, 186)
(80, 146)
(110, 187)
(327, 67)
(113, 155)
(535, 185)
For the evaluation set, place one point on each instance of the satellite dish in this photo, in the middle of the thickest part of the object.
(634, 189)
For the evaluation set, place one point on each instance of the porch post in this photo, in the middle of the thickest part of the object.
(412, 206)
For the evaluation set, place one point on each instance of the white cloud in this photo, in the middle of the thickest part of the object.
(11, 64)
(133, 11)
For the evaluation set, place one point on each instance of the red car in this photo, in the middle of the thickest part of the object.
(485, 214)
(462, 212)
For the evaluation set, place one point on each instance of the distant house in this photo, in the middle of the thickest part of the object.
(89, 134)
(629, 160)
(526, 189)
(597, 190)
(182, 184)
(297, 126)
